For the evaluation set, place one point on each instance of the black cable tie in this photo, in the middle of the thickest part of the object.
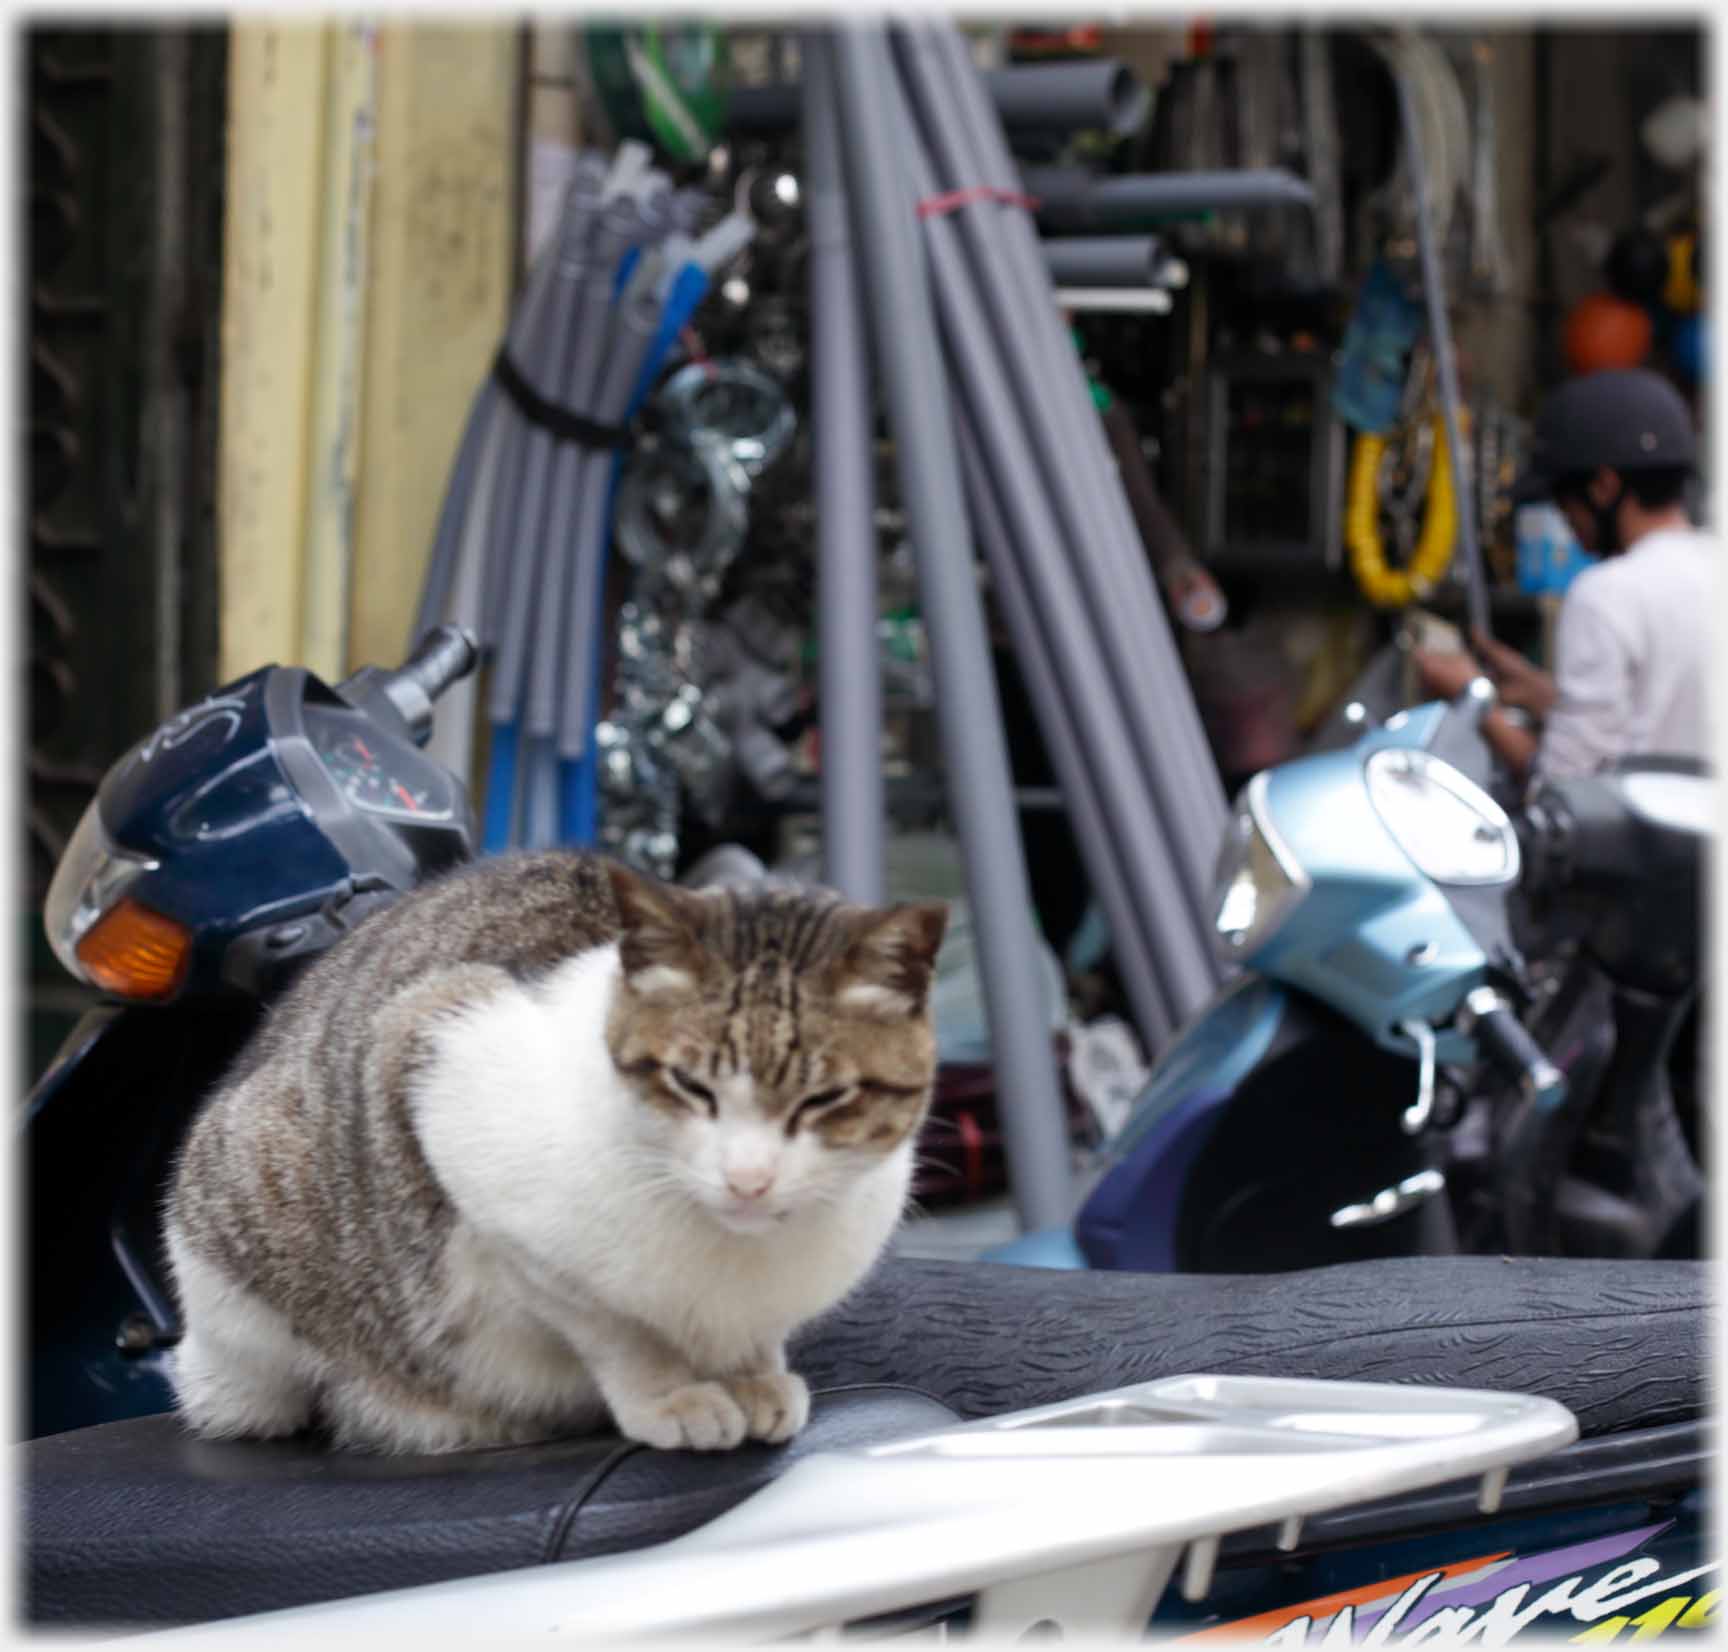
(558, 422)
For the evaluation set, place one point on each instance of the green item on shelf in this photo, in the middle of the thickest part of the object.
(664, 85)
(1101, 397)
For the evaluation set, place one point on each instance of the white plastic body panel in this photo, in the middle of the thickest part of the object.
(1075, 1513)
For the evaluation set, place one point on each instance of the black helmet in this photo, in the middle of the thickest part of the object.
(1622, 419)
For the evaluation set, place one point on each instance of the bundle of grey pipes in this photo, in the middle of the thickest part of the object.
(521, 539)
(917, 216)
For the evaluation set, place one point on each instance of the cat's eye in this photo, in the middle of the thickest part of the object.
(814, 1104)
(696, 1089)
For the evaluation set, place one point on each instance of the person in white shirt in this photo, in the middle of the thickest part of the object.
(1615, 451)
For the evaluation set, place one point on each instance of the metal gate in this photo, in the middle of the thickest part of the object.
(125, 183)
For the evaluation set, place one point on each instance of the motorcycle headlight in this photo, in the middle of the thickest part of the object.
(103, 936)
(1259, 883)
(1451, 829)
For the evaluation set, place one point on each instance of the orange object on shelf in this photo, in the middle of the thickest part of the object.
(1031, 44)
(1604, 331)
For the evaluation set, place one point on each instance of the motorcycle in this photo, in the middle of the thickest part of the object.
(259, 826)
(1376, 1078)
(222, 852)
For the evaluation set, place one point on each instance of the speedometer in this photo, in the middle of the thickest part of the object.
(369, 777)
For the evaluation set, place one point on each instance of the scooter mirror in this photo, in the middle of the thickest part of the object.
(1479, 697)
(1459, 738)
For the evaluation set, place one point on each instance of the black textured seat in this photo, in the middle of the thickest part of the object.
(137, 1523)
(1620, 1344)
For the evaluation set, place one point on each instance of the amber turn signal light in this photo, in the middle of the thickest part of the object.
(133, 952)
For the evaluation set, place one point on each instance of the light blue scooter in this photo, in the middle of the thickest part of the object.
(1362, 892)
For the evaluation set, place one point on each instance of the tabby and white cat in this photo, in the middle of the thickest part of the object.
(545, 1141)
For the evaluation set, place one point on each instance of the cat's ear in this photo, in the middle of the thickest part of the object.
(885, 972)
(657, 945)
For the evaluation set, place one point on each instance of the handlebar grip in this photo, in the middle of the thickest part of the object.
(1503, 1039)
(444, 655)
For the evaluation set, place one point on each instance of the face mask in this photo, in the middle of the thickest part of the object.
(1607, 518)
(1603, 518)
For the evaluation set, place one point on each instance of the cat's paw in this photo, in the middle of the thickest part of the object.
(701, 1416)
(776, 1404)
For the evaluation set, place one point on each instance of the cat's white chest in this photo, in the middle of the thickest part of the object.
(719, 1290)
(531, 1131)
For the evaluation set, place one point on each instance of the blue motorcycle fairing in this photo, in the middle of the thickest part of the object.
(76, 1048)
(206, 797)
(97, 1141)
(1373, 937)
(1129, 1221)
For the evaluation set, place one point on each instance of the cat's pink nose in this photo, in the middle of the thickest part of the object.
(749, 1184)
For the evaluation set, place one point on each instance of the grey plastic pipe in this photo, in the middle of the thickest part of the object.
(1104, 260)
(1101, 853)
(1071, 196)
(453, 728)
(453, 515)
(1121, 597)
(536, 794)
(1153, 694)
(689, 207)
(1102, 95)
(1099, 95)
(1113, 534)
(1005, 419)
(614, 339)
(979, 782)
(598, 338)
(1113, 543)
(581, 198)
(572, 715)
(528, 552)
(585, 293)
(1445, 360)
(853, 807)
(535, 327)
(516, 508)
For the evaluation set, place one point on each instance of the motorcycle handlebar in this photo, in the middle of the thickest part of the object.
(1504, 1041)
(444, 656)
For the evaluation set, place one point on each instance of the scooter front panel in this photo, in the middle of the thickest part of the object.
(1375, 938)
(1130, 1219)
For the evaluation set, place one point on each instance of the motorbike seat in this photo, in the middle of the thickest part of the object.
(137, 1523)
(1620, 1344)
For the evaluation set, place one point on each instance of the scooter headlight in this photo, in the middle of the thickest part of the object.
(1259, 883)
(103, 936)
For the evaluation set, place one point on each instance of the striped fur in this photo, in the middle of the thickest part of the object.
(546, 1140)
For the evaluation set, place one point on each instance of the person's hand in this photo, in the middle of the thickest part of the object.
(1445, 675)
(1518, 682)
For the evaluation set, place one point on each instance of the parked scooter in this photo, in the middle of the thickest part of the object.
(235, 843)
(1367, 1084)
(257, 828)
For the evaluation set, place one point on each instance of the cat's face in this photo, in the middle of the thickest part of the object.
(779, 1047)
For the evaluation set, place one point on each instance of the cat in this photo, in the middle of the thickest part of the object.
(544, 1142)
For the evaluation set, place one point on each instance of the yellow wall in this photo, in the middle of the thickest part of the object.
(366, 284)
(269, 303)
